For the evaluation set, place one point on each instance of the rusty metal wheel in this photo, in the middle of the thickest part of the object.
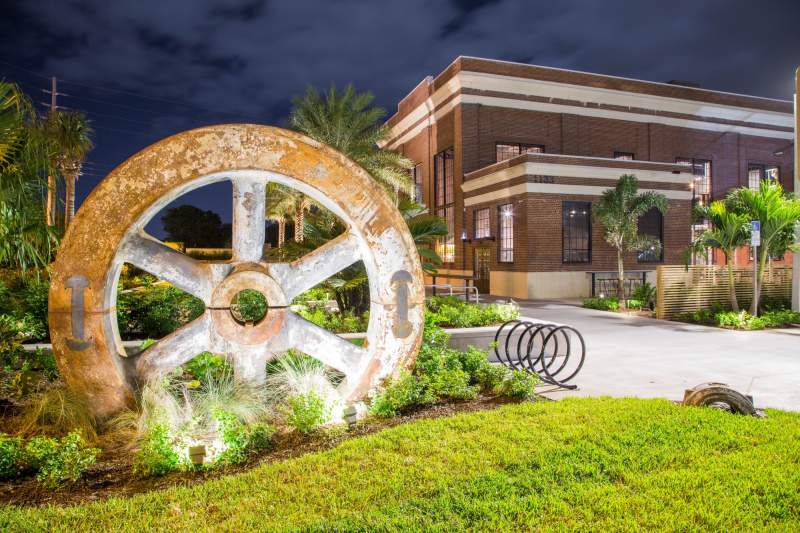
(719, 396)
(109, 232)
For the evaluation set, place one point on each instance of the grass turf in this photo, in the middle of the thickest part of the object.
(589, 464)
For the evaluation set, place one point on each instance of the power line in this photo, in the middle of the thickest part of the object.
(120, 91)
(123, 131)
(115, 116)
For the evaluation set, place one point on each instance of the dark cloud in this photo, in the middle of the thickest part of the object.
(209, 61)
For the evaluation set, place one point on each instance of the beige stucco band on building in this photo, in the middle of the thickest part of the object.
(544, 285)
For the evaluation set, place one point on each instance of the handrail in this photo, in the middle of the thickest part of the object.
(458, 288)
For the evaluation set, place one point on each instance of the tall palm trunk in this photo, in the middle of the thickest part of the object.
(762, 263)
(69, 209)
(50, 207)
(620, 279)
(300, 219)
(281, 231)
(731, 285)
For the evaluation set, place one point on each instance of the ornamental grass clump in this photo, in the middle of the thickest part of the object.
(224, 415)
(299, 386)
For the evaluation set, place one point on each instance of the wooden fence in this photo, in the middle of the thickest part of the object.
(681, 289)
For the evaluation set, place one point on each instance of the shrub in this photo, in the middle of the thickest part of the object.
(306, 412)
(774, 303)
(156, 455)
(57, 462)
(602, 304)
(635, 304)
(778, 318)
(519, 384)
(316, 294)
(741, 319)
(337, 322)
(450, 312)
(155, 311)
(399, 394)
(206, 366)
(645, 294)
(260, 436)
(234, 438)
(11, 456)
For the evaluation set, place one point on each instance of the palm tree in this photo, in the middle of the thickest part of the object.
(728, 231)
(26, 242)
(425, 229)
(348, 122)
(285, 203)
(778, 213)
(72, 137)
(618, 211)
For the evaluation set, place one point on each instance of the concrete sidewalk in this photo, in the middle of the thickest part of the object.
(644, 357)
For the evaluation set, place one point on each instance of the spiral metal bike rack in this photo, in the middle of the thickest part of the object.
(554, 352)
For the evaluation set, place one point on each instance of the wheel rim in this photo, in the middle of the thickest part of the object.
(103, 237)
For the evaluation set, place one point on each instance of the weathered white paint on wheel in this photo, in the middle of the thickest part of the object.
(103, 237)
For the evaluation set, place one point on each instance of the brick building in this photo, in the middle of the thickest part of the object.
(513, 156)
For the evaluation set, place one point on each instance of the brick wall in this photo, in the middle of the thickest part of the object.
(562, 133)
(538, 236)
(472, 130)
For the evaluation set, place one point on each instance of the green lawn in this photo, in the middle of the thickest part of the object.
(590, 464)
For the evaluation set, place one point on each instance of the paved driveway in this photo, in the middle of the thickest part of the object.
(635, 356)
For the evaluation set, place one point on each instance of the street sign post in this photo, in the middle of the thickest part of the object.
(755, 242)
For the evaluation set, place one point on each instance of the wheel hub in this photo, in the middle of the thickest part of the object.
(248, 276)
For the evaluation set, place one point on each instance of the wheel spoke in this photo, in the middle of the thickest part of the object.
(249, 200)
(317, 266)
(330, 349)
(175, 349)
(168, 264)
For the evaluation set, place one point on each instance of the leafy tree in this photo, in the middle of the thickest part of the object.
(728, 231)
(71, 135)
(26, 242)
(348, 122)
(195, 228)
(619, 210)
(778, 213)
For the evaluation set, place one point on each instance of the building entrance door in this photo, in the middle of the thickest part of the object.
(483, 259)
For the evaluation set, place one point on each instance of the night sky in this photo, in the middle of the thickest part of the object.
(146, 69)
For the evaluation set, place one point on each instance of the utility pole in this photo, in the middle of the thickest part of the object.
(50, 207)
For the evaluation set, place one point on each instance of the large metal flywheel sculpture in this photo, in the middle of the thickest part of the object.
(109, 232)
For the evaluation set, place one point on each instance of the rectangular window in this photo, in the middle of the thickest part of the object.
(505, 227)
(481, 223)
(701, 168)
(757, 172)
(443, 168)
(772, 173)
(505, 151)
(652, 225)
(419, 191)
(628, 156)
(576, 232)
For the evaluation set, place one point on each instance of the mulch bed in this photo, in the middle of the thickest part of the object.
(112, 474)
